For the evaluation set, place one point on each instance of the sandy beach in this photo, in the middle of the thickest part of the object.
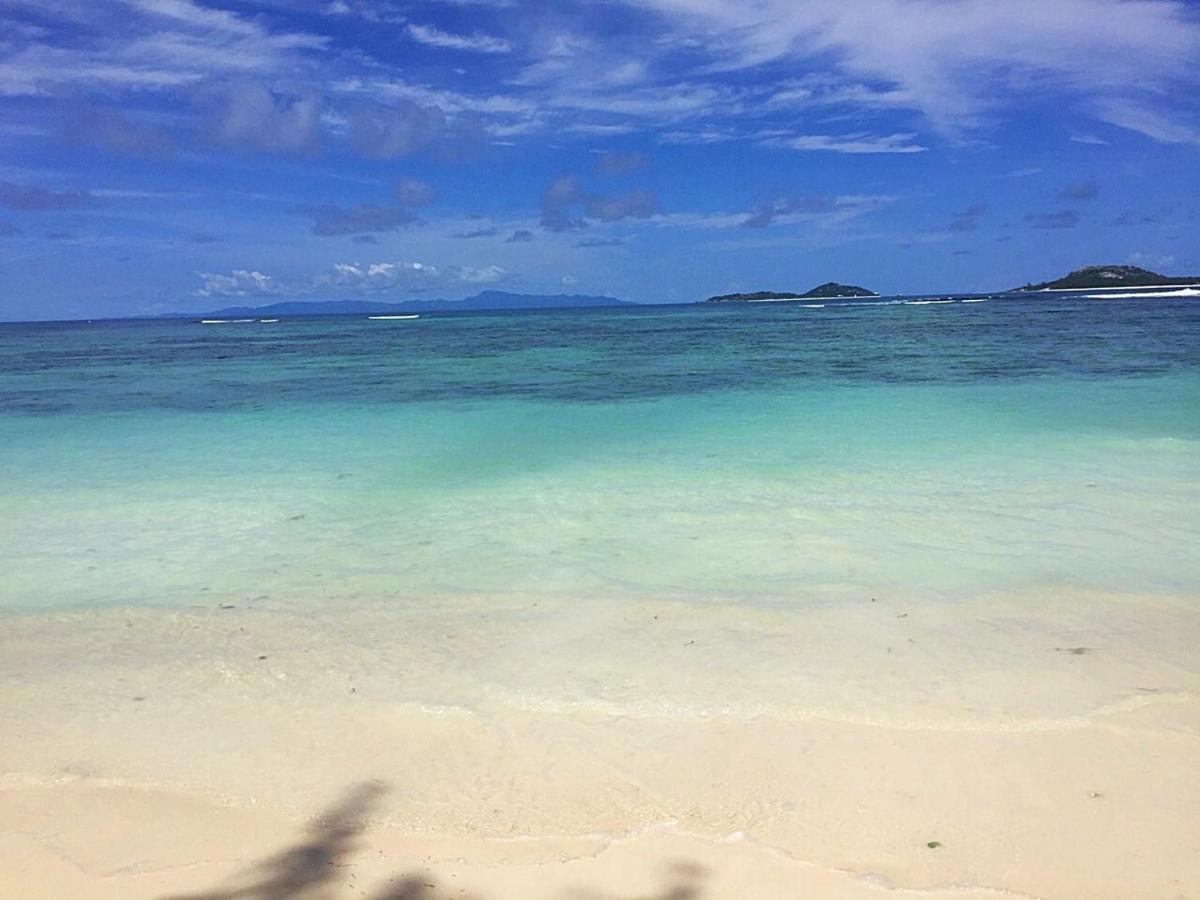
(599, 450)
(868, 748)
(664, 630)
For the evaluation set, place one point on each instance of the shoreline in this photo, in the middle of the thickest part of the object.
(1036, 769)
(209, 852)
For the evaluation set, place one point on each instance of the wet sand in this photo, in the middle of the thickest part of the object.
(1003, 746)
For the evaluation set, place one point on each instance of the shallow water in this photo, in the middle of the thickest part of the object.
(776, 454)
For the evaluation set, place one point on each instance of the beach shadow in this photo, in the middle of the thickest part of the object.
(312, 865)
(315, 867)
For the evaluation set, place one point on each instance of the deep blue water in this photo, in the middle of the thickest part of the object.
(573, 356)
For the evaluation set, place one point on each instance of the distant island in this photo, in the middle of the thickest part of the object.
(1092, 277)
(827, 291)
(487, 300)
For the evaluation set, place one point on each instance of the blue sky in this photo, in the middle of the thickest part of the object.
(170, 155)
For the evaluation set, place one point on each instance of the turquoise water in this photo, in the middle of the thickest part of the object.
(773, 454)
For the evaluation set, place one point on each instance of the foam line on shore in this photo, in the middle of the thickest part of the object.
(1095, 716)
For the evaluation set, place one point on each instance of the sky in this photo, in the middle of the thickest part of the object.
(163, 156)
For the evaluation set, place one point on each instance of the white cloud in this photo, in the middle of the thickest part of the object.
(252, 117)
(485, 275)
(566, 205)
(706, 135)
(880, 65)
(400, 128)
(601, 130)
(478, 43)
(958, 61)
(662, 104)
(1155, 125)
(850, 143)
(367, 10)
(188, 13)
(161, 44)
(239, 283)
(1024, 172)
(351, 277)
(376, 277)
(814, 211)
(449, 100)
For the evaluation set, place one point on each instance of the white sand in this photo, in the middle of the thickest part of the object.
(1184, 292)
(622, 750)
(1118, 287)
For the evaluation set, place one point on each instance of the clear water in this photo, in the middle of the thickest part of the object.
(766, 454)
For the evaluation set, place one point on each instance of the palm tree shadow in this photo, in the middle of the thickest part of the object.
(311, 864)
(310, 869)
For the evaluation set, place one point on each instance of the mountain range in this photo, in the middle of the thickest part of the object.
(486, 300)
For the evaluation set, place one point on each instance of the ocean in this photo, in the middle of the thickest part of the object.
(773, 454)
(811, 585)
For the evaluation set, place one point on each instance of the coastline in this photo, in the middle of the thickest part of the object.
(524, 748)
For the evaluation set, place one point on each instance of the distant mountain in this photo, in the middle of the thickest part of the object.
(826, 291)
(487, 300)
(1093, 277)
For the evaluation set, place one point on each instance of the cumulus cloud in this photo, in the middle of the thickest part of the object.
(636, 204)
(239, 283)
(566, 205)
(485, 275)
(478, 43)
(25, 198)
(968, 219)
(250, 117)
(352, 277)
(373, 278)
(404, 127)
(475, 233)
(558, 201)
(413, 192)
(1065, 218)
(330, 219)
(1077, 191)
(520, 236)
